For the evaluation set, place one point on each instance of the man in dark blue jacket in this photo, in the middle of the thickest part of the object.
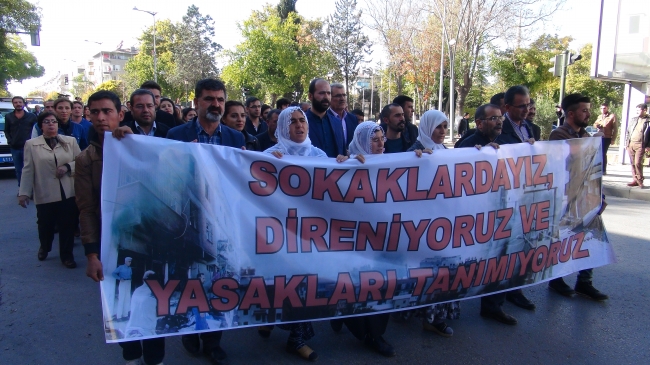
(210, 100)
(206, 127)
(325, 132)
(338, 111)
(514, 130)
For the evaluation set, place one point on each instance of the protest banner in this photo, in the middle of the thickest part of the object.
(220, 238)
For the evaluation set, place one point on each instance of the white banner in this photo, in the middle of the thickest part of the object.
(221, 238)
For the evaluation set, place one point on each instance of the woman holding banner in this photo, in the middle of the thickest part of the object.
(432, 132)
(293, 139)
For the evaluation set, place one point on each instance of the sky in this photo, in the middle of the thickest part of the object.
(71, 28)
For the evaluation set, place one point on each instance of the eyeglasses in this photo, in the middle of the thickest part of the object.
(50, 121)
(522, 106)
(376, 140)
(494, 119)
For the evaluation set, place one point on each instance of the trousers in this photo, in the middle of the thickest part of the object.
(153, 350)
(61, 214)
(123, 299)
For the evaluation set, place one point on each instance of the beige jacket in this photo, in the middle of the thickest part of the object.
(39, 172)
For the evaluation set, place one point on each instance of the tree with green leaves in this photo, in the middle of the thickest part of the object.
(346, 42)
(277, 58)
(16, 63)
(116, 86)
(194, 49)
(140, 68)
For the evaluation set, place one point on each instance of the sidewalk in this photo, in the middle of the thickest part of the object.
(615, 183)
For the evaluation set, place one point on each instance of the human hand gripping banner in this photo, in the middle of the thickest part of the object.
(197, 237)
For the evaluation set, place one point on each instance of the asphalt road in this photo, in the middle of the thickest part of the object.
(52, 315)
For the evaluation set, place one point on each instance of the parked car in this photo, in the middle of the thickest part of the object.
(6, 161)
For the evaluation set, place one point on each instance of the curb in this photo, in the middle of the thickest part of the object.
(625, 192)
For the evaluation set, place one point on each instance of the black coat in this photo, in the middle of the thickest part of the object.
(161, 129)
(161, 118)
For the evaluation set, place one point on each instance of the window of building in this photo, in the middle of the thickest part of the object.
(208, 232)
(194, 216)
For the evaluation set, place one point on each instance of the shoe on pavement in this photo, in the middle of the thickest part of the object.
(519, 299)
(586, 289)
(264, 331)
(440, 328)
(42, 254)
(633, 183)
(380, 345)
(70, 264)
(304, 351)
(191, 343)
(640, 184)
(500, 316)
(561, 287)
(216, 354)
(336, 324)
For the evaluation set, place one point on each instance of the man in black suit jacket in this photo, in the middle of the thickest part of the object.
(144, 113)
(161, 116)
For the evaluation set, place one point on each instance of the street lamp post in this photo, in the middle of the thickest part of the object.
(452, 116)
(155, 56)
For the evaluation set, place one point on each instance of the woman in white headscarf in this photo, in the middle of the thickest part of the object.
(431, 132)
(369, 139)
(292, 134)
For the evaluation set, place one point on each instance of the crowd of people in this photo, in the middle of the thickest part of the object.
(59, 161)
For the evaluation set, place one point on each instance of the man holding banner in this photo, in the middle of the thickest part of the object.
(576, 112)
(210, 101)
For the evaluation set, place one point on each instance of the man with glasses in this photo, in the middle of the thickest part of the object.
(338, 111)
(254, 123)
(515, 128)
(489, 123)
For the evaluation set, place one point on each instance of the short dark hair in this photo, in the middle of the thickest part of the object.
(281, 102)
(604, 103)
(139, 92)
(643, 106)
(509, 96)
(186, 111)
(61, 100)
(251, 99)
(571, 102)
(496, 98)
(385, 111)
(78, 102)
(273, 111)
(41, 117)
(466, 114)
(481, 111)
(312, 84)
(105, 94)
(230, 104)
(18, 97)
(402, 99)
(358, 112)
(264, 107)
(209, 84)
(151, 85)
